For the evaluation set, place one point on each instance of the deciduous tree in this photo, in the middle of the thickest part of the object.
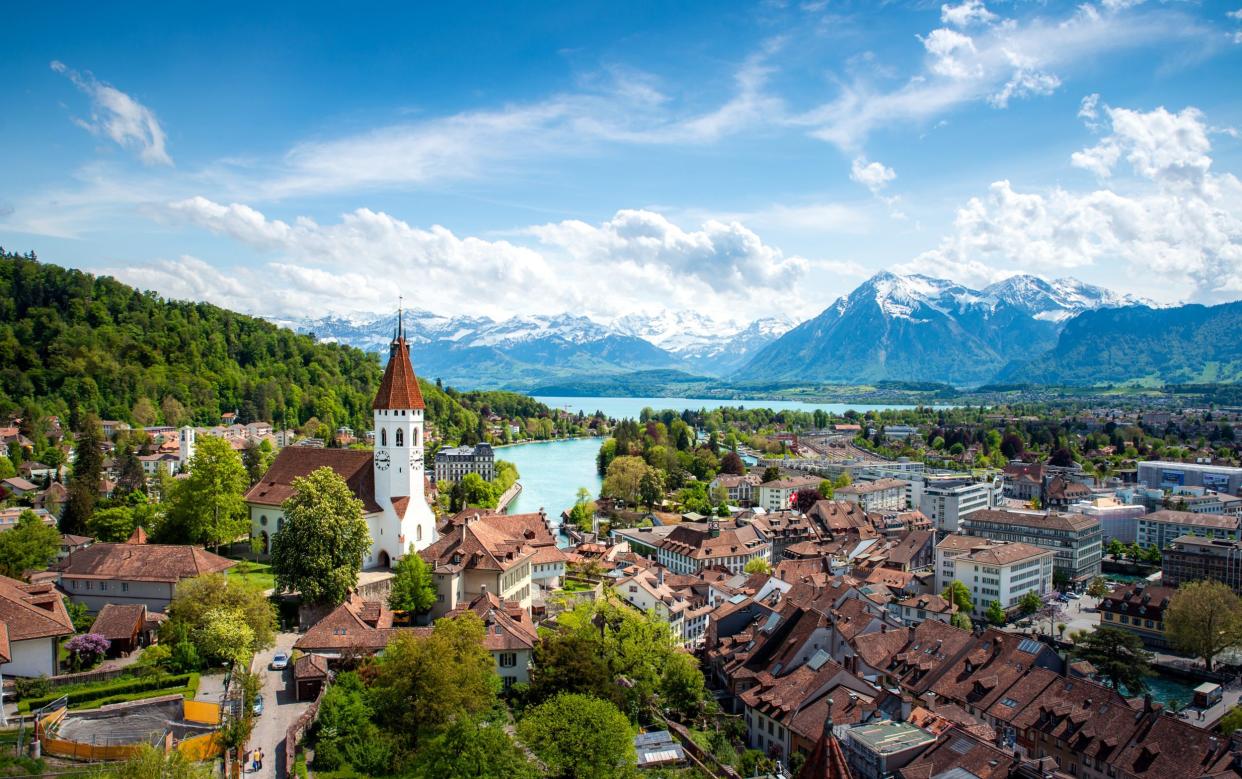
(624, 478)
(30, 545)
(318, 552)
(959, 595)
(412, 588)
(208, 506)
(579, 736)
(475, 749)
(1204, 619)
(732, 463)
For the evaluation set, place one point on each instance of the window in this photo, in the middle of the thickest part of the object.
(124, 586)
(383, 437)
(103, 585)
(509, 681)
(508, 659)
(263, 520)
(400, 437)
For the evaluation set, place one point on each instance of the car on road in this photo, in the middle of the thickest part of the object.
(258, 706)
(280, 661)
(1072, 595)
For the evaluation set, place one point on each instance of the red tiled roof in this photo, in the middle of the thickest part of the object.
(352, 465)
(27, 611)
(140, 562)
(399, 387)
(119, 622)
(310, 667)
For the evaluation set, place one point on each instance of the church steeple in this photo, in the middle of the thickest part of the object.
(399, 387)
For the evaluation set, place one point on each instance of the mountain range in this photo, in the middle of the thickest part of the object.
(912, 328)
(525, 352)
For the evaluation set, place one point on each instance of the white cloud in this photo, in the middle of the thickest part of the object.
(967, 13)
(636, 261)
(1179, 222)
(874, 176)
(951, 53)
(625, 108)
(999, 62)
(118, 116)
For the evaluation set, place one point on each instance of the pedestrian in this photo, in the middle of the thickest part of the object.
(260, 759)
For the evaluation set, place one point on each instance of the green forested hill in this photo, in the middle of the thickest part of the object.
(73, 343)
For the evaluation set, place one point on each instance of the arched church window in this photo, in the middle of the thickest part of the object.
(400, 438)
(383, 437)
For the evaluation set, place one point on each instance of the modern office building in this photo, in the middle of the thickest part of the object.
(1075, 538)
(1163, 475)
(1194, 558)
(946, 502)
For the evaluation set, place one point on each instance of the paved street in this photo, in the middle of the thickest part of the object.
(279, 711)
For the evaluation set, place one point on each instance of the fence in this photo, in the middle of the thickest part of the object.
(296, 731)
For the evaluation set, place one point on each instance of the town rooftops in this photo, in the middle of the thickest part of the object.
(957, 542)
(1138, 600)
(886, 738)
(352, 465)
(697, 542)
(1049, 521)
(1006, 554)
(486, 541)
(30, 611)
(792, 483)
(119, 622)
(140, 562)
(356, 624)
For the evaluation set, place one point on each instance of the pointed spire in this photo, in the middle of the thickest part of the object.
(400, 318)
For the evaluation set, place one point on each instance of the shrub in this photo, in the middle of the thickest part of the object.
(96, 692)
(34, 687)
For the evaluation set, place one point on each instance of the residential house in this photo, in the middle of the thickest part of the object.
(648, 590)
(1138, 609)
(510, 636)
(480, 552)
(356, 627)
(916, 608)
(100, 573)
(33, 620)
(691, 547)
(18, 487)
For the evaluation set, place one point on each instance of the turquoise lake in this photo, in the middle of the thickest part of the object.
(618, 408)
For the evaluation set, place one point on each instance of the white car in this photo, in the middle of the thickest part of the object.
(280, 661)
(1072, 595)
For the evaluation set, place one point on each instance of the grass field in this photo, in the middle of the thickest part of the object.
(259, 574)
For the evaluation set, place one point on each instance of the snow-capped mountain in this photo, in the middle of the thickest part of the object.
(917, 328)
(527, 350)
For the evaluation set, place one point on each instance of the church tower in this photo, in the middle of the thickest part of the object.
(408, 524)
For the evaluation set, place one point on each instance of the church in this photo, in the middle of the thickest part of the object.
(388, 480)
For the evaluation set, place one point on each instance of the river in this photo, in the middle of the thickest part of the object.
(551, 473)
(619, 408)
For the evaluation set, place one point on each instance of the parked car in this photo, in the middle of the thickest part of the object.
(1072, 595)
(258, 705)
(280, 661)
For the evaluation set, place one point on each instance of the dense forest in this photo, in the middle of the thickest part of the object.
(72, 343)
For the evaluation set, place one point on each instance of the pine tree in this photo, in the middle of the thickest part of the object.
(87, 473)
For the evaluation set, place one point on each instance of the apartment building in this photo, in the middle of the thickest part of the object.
(1160, 528)
(1193, 558)
(878, 495)
(1076, 539)
(1004, 572)
(454, 463)
(777, 495)
(946, 502)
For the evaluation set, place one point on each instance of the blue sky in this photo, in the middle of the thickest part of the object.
(740, 160)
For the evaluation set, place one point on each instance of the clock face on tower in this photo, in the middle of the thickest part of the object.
(415, 458)
(381, 460)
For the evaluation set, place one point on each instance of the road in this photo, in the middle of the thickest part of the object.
(279, 711)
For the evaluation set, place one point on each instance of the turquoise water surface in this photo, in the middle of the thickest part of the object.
(618, 408)
(551, 473)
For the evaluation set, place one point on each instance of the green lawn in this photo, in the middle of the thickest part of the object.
(259, 574)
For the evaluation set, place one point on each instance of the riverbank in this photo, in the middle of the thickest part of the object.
(551, 473)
